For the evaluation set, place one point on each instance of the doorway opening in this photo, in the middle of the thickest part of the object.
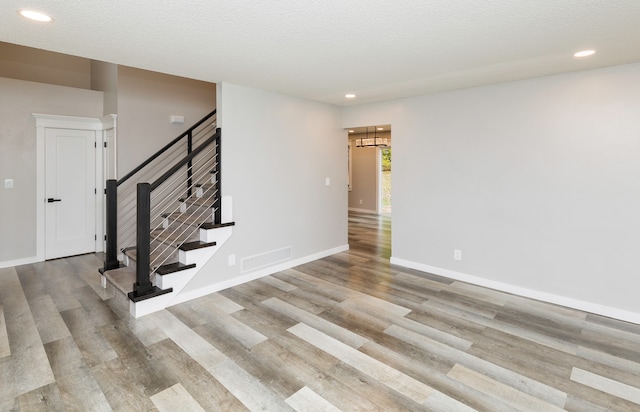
(385, 180)
(369, 163)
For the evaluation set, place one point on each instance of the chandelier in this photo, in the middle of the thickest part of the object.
(374, 141)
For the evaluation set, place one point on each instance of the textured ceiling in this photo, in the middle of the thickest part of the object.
(323, 49)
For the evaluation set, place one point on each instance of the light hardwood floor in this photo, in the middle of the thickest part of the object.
(348, 332)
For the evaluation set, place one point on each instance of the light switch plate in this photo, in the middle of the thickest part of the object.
(8, 183)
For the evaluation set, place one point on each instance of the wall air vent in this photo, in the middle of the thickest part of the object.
(265, 259)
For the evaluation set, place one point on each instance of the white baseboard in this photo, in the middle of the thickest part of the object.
(369, 211)
(595, 308)
(18, 262)
(216, 287)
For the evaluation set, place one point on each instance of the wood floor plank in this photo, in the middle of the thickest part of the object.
(306, 400)
(542, 363)
(205, 389)
(479, 293)
(192, 343)
(277, 283)
(609, 360)
(148, 376)
(261, 361)
(352, 339)
(515, 380)
(440, 402)
(175, 398)
(20, 326)
(396, 380)
(251, 392)
(5, 349)
(518, 400)
(77, 385)
(48, 321)
(263, 292)
(120, 388)
(30, 369)
(432, 370)
(433, 333)
(630, 393)
(230, 326)
(26, 368)
(308, 364)
(45, 398)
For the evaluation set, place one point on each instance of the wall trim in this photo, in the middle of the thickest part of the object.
(18, 262)
(368, 211)
(594, 308)
(216, 287)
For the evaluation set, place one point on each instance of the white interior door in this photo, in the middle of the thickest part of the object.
(70, 192)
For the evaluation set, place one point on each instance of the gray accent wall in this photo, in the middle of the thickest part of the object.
(36, 65)
(363, 179)
(145, 102)
(18, 100)
(104, 78)
(535, 181)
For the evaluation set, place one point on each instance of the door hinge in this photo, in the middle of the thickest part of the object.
(105, 144)
(95, 144)
(95, 237)
(105, 238)
(95, 191)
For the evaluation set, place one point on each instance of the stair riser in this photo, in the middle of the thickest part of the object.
(176, 280)
(219, 235)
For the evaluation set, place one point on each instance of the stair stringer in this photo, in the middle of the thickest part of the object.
(178, 280)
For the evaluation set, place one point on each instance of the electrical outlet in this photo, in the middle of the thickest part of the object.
(232, 260)
(8, 183)
(360, 201)
(457, 254)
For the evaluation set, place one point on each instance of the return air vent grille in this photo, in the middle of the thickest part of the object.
(265, 259)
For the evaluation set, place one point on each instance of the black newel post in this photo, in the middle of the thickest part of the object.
(111, 261)
(143, 285)
(217, 218)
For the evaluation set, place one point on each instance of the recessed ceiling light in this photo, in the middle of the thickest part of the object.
(584, 53)
(351, 131)
(350, 96)
(35, 15)
(380, 128)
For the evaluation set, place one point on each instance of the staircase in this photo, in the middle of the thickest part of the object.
(166, 219)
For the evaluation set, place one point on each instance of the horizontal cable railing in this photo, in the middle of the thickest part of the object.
(175, 171)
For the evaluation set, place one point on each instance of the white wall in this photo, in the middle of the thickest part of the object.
(276, 153)
(18, 99)
(146, 100)
(535, 181)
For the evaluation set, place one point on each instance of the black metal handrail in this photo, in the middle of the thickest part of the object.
(168, 146)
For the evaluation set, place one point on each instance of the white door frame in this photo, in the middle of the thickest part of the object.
(43, 122)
